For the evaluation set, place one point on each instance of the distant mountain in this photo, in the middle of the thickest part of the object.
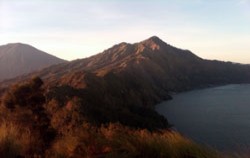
(18, 59)
(123, 83)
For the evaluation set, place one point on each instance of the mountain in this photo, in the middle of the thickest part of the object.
(153, 61)
(148, 70)
(126, 80)
(18, 59)
(72, 109)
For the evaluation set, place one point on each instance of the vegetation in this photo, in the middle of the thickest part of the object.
(113, 140)
(36, 122)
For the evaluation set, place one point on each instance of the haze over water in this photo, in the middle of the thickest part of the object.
(218, 117)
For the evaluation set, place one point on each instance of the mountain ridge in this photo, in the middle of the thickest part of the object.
(165, 67)
(150, 52)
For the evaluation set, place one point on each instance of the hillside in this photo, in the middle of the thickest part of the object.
(35, 125)
(73, 108)
(152, 68)
(17, 59)
(129, 77)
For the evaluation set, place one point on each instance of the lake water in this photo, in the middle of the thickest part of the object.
(218, 117)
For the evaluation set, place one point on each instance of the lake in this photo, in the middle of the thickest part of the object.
(218, 117)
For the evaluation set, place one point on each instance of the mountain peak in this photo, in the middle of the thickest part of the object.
(153, 42)
(16, 45)
(155, 39)
(16, 48)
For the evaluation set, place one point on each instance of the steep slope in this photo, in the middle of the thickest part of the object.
(17, 59)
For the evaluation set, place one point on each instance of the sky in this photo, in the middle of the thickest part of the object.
(71, 29)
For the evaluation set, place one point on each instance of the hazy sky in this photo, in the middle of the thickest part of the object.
(70, 29)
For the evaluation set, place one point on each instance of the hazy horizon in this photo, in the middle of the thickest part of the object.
(77, 29)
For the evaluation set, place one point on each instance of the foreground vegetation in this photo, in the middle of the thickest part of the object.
(113, 140)
(59, 123)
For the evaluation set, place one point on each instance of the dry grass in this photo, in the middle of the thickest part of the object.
(9, 144)
(15, 141)
(112, 141)
(116, 141)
